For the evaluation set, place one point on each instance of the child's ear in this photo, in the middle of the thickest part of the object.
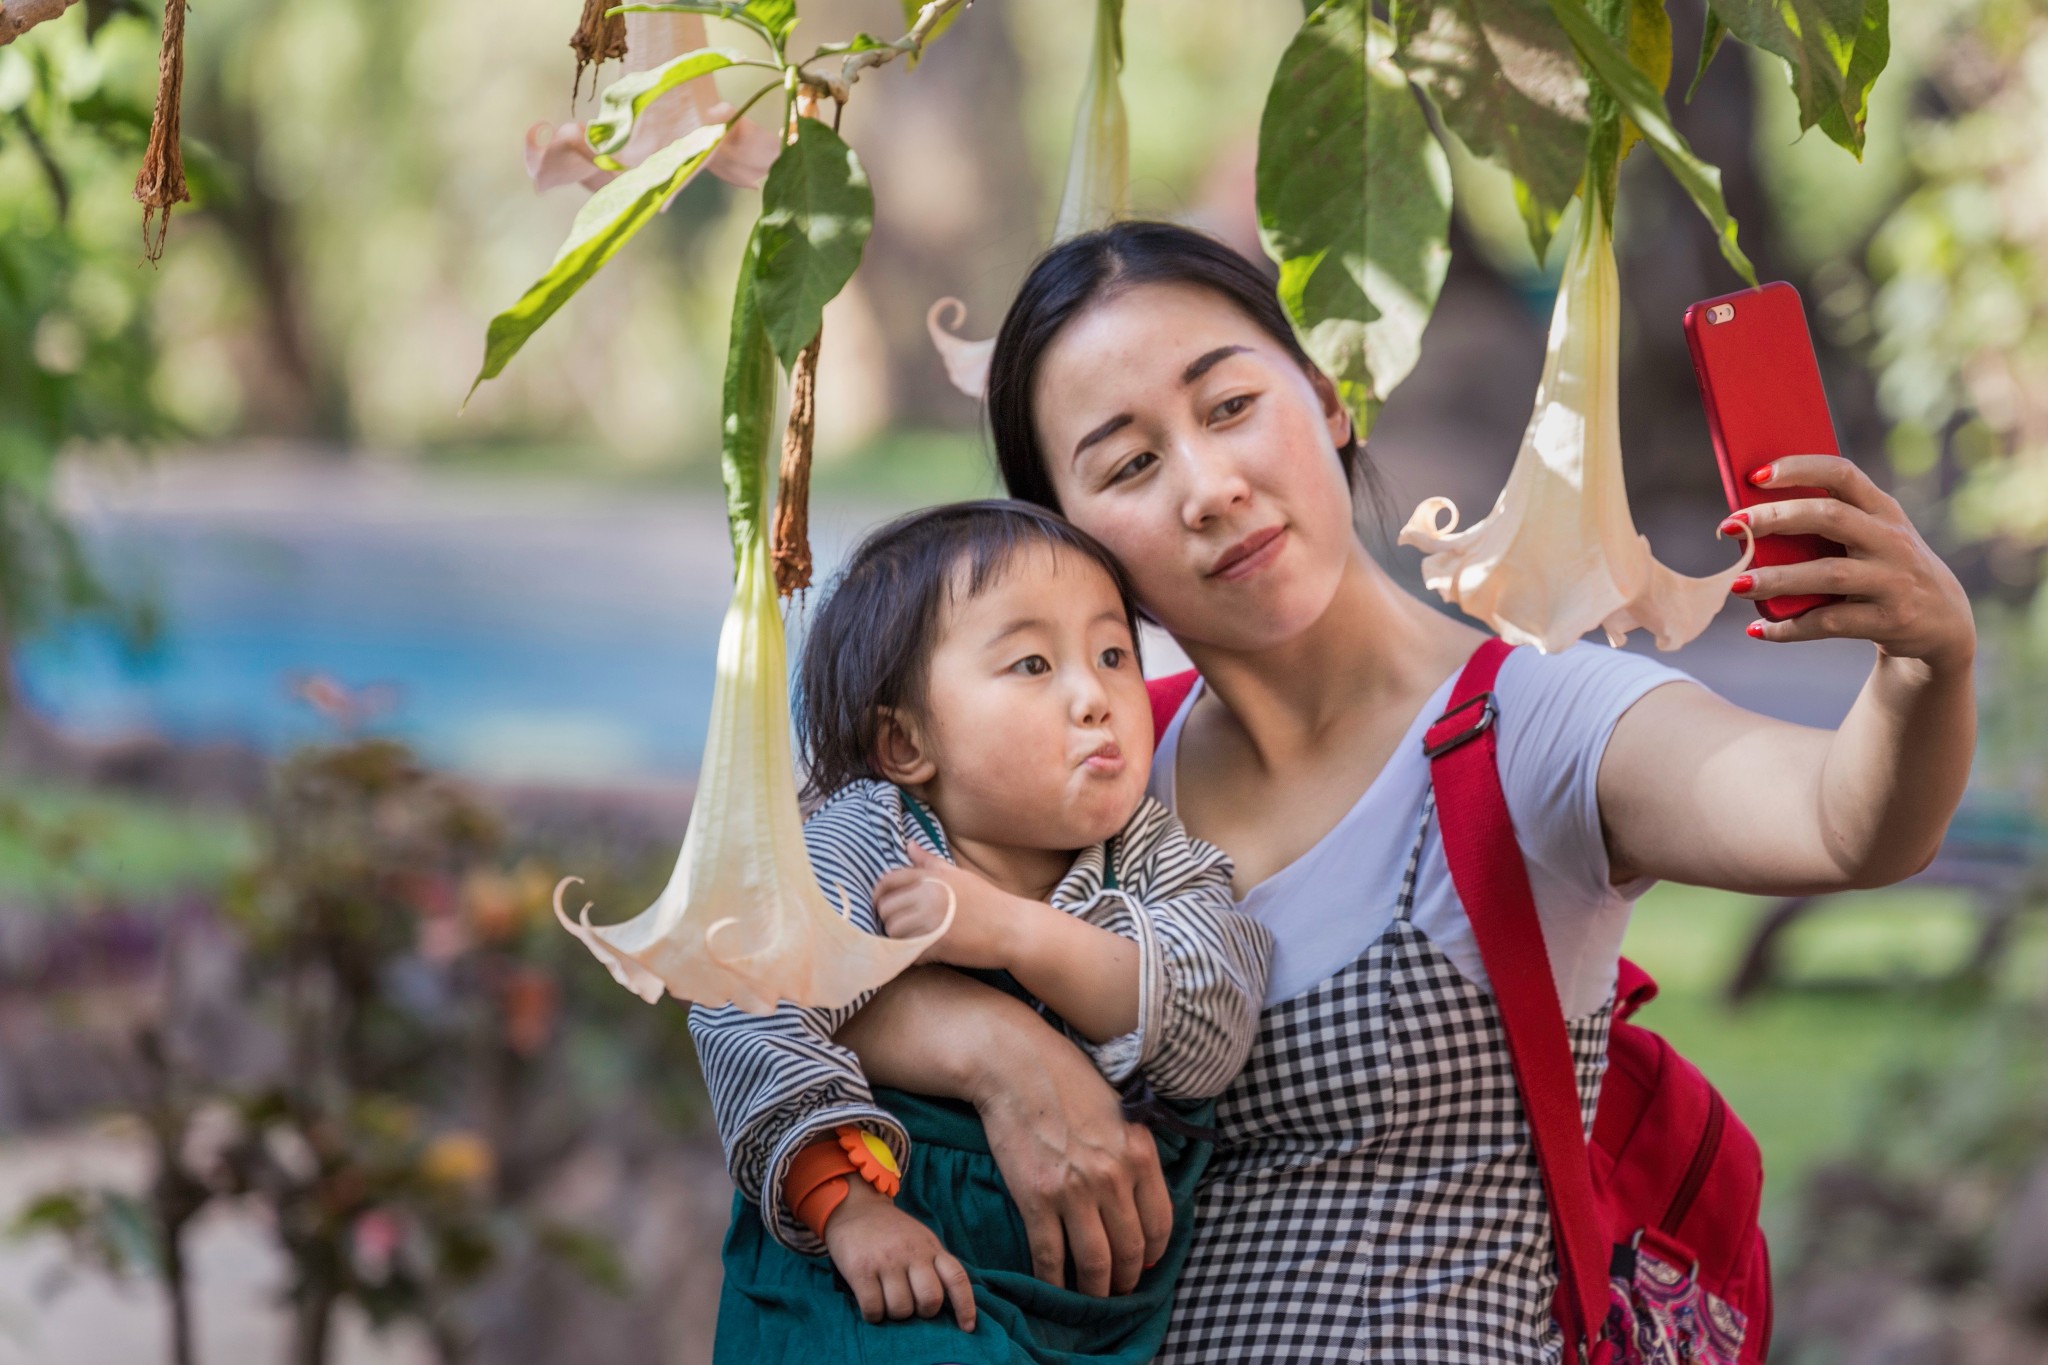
(900, 752)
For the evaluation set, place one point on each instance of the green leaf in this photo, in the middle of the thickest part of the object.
(1644, 105)
(625, 99)
(1505, 80)
(749, 401)
(1354, 196)
(816, 210)
(1833, 49)
(777, 16)
(1873, 50)
(861, 42)
(604, 224)
(1649, 51)
(1710, 43)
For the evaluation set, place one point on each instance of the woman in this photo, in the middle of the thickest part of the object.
(1374, 1194)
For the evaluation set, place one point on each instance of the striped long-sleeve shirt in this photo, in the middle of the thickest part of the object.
(779, 1082)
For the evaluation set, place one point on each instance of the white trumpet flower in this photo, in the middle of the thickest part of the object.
(1099, 161)
(743, 920)
(1560, 554)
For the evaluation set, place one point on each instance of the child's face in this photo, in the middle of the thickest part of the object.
(1036, 725)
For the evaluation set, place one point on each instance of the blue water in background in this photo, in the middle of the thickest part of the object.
(589, 662)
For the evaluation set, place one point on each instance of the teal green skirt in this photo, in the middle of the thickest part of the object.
(779, 1306)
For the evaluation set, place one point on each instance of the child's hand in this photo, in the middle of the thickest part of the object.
(987, 922)
(894, 1264)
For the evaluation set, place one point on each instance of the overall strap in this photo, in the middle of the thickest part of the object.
(1493, 884)
(1166, 695)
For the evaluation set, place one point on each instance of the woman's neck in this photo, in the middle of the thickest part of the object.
(1373, 644)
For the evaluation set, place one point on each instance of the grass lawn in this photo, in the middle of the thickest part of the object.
(61, 847)
(1801, 1065)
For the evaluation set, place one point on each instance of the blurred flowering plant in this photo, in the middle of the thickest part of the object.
(414, 1094)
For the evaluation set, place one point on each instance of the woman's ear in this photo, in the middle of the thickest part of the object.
(900, 753)
(1336, 416)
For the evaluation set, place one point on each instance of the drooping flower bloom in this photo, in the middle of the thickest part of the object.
(1560, 554)
(1096, 191)
(1099, 160)
(743, 919)
(966, 361)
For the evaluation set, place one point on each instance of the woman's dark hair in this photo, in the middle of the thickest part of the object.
(1084, 270)
(870, 645)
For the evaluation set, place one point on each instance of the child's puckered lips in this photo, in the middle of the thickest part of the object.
(1105, 759)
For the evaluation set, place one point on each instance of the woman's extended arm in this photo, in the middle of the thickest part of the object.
(1083, 1177)
(1696, 790)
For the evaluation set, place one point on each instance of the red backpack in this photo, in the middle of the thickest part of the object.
(1660, 1257)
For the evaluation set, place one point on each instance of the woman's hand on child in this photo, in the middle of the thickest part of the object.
(894, 1264)
(986, 920)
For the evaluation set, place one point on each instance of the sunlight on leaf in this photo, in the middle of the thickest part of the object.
(1360, 268)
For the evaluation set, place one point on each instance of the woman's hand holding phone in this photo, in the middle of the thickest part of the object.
(1898, 593)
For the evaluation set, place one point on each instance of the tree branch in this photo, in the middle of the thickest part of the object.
(19, 16)
(856, 62)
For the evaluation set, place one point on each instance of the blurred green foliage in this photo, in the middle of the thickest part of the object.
(77, 344)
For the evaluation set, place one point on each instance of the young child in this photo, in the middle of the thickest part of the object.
(972, 713)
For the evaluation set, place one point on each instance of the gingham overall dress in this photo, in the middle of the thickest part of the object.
(1374, 1196)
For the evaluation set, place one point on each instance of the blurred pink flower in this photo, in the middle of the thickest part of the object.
(560, 154)
(374, 1244)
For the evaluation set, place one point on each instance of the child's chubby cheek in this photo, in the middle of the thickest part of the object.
(1040, 782)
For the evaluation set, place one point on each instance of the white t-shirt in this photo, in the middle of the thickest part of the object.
(1556, 713)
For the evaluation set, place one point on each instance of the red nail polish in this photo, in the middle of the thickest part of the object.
(1150, 1264)
(1733, 525)
(1756, 630)
(1764, 475)
(1743, 583)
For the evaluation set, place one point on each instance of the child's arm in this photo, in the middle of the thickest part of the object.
(1164, 976)
(780, 1082)
(893, 1263)
(1089, 975)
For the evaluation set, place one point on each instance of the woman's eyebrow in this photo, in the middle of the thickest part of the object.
(1204, 363)
(1103, 432)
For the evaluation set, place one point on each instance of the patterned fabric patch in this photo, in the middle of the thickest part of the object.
(1662, 1316)
(1375, 1195)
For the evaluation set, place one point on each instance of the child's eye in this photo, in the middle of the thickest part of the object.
(1114, 656)
(1231, 407)
(1136, 465)
(1032, 665)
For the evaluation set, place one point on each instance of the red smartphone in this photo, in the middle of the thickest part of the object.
(1761, 386)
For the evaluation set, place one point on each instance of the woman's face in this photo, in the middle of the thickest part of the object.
(1191, 444)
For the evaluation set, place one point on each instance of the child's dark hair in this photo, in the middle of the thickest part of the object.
(870, 644)
(1084, 270)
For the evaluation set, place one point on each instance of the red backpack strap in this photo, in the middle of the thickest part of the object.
(1492, 882)
(1167, 695)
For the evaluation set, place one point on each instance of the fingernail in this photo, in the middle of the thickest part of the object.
(1150, 1264)
(1763, 476)
(1734, 524)
(1743, 583)
(1756, 630)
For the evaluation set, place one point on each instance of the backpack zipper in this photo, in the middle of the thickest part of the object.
(1696, 1172)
